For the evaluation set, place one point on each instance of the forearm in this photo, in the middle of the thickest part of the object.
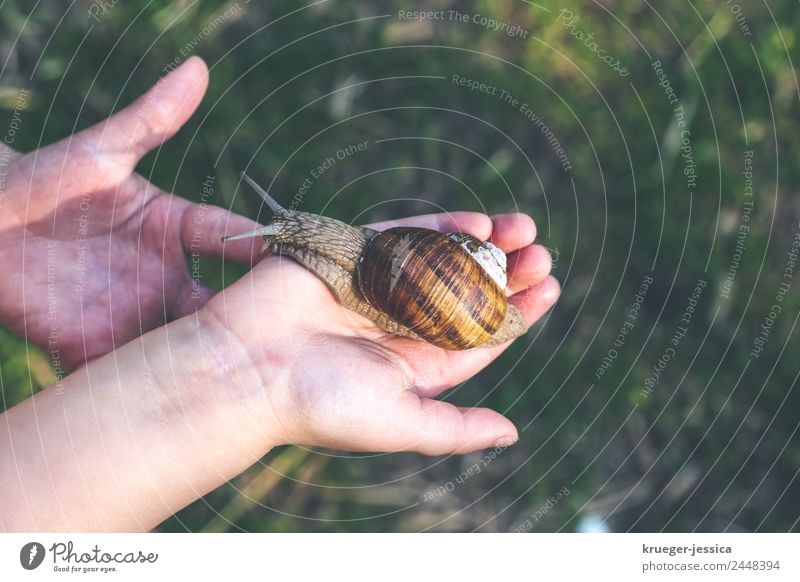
(131, 438)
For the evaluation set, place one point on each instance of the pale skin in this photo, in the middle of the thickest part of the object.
(170, 395)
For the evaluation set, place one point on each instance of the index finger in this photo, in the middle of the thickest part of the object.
(475, 223)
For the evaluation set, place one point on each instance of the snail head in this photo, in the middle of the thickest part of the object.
(277, 224)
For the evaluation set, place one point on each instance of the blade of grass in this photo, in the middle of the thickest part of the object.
(257, 488)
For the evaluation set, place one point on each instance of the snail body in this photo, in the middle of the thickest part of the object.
(444, 288)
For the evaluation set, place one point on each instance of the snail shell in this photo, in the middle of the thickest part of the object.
(433, 285)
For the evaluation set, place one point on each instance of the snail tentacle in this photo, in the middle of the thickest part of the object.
(269, 230)
(271, 202)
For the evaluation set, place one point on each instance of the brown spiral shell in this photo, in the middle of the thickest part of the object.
(426, 281)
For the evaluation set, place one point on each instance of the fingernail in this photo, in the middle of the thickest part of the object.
(505, 441)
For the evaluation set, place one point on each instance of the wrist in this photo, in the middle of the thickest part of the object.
(221, 373)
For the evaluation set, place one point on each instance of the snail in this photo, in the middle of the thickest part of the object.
(448, 289)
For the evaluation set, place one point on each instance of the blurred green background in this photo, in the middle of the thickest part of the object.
(712, 447)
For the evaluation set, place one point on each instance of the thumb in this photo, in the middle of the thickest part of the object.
(439, 428)
(153, 118)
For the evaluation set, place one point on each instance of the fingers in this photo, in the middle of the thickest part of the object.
(439, 428)
(512, 231)
(474, 223)
(528, 266)
(203, 226)
(152, 118)
(535, 301)
(509, 232)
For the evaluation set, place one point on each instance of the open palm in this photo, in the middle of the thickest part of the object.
(349, 385)
(100, 253)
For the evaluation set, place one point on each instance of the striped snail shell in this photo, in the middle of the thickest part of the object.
(447, 289)
(433, 284)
